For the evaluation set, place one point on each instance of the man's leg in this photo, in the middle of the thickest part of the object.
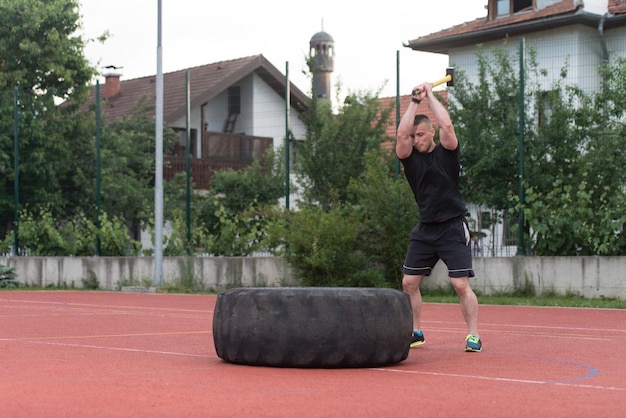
(411, 286)
(468, 301)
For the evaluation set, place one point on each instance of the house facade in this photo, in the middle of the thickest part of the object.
(580, 35)
(236, 110)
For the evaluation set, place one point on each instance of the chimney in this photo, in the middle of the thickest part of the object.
(112, 85)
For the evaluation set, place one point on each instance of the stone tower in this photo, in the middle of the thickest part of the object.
(321, 56)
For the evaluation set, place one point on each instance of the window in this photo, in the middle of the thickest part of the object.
(295, 160)
(485, 220)
(519, 5)
(234, 100)
(544, 108)
(508, 235)
(503, 8)
(542, 4)
(508, 7)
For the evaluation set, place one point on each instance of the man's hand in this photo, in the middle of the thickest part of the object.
(420, 92)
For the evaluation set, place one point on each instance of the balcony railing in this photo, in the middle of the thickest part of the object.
(219, 151)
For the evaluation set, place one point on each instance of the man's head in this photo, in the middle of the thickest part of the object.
(423, 134)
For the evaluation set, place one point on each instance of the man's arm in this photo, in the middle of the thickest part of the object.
(447, 136)
(404, 140)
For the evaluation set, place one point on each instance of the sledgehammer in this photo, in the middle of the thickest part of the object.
(449, 79)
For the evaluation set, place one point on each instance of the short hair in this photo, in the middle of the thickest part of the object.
(422, 119)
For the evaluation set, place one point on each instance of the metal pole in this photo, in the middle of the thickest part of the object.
(188, 163)
(397, 106)
(287, 106)
(98, 167)
(157, 277)
(16, 177)
(520, 243)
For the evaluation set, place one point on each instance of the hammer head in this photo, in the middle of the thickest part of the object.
(450, 72)
(448, 79)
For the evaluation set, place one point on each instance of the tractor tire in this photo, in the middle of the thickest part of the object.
(312, 327)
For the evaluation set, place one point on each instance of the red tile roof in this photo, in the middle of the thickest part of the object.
(484, 29)
(206, 82)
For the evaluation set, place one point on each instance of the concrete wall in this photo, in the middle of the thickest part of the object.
(591, 277)
(113, 273)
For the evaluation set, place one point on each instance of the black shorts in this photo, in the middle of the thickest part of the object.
(448, 241)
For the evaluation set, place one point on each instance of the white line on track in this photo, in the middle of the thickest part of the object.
(390, 370)
(132, 350)
(507, 326)
(501, 379)
(63, 304)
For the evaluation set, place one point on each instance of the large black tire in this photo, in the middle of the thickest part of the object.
(312, 327)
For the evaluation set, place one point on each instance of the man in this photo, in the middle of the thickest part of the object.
(432, 171)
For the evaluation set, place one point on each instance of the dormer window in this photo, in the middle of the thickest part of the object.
(503, 8)
(509, 7)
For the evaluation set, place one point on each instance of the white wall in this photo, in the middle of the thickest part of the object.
(216, 112)
(269, 114)
(616, 41)
(576, 48)
(262, 113)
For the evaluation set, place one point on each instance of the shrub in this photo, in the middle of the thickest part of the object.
(8, 277)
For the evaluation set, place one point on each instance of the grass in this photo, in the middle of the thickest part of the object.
(525, 297)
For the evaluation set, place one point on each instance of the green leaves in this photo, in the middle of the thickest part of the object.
(352, 244)
(40, 48)
(43, 58)
(574, 158)
(40, 234)
(576, 218)
(335, 146)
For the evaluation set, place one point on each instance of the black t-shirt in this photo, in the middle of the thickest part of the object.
(434, 180)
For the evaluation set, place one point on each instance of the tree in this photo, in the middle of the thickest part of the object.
(353, 227)
(388, 211)
(335, 145)
(579, 207)
(42, 57)
(352, 244)
(572, 143)
(231, 218)
(128, 166)
(485, 117)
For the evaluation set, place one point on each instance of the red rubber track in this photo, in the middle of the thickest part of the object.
(110, 354)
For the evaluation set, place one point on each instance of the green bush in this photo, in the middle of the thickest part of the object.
(323, 248)
(39, 234)
(8, 277)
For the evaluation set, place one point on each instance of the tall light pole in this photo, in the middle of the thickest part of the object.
(287, 151)
(157, 277)
(522, 124)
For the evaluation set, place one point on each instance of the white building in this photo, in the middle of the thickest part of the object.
(580, 35)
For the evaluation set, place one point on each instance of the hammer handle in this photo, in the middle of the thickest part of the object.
(446, 79)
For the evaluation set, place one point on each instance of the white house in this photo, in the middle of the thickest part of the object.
(578, 34)
(237, 109)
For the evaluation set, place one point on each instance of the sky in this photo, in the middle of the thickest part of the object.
(368, 37)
